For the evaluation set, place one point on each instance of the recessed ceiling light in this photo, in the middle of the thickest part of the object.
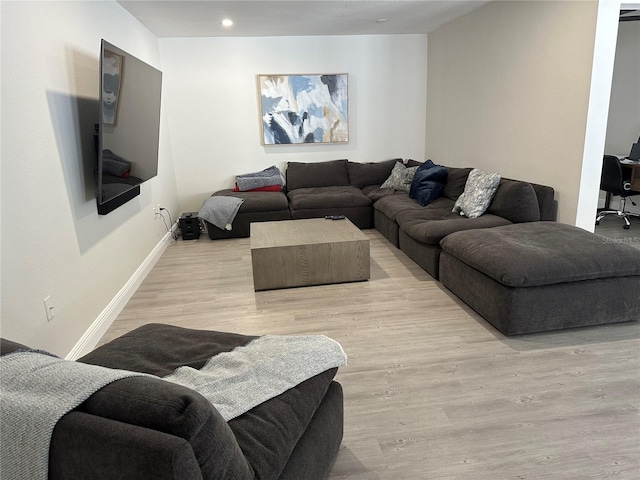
(227, 22)
(381, 20)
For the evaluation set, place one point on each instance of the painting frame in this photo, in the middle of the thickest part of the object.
(112, 72)
(303, 109)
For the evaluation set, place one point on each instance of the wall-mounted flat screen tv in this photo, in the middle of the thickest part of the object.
(129, 126)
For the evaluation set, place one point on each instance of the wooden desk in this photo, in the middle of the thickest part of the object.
(634, 174)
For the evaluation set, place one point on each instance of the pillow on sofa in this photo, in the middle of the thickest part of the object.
(428, 183)
(400, 178)
(323, 174)
(371, 173)
(515, 201)
(478, 193)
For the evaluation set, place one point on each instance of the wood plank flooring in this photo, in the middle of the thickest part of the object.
(432, 391)
(611, 227)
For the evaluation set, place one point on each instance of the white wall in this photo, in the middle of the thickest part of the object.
(53, 241)
(211, 97)
(508, 91)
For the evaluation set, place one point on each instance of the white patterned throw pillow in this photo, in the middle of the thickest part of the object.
(478, 193)
(400, 178)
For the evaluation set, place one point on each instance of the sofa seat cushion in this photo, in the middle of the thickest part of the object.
(375, 193)
(327, 197)
(321, 174)
(258, 201)
(541, 253)
(432, 225)
(266, 435)
(392, 205)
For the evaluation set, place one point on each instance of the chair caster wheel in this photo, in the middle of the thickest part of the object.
(626, 227)
(597, 222)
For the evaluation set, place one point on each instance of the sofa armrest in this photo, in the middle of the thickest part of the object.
(87, 446)
(155, 405)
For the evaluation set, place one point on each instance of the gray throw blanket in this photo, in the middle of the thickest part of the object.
(265, 178)
(37, 390)
(236, 381)
(220, 211)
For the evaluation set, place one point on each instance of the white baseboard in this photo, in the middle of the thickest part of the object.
(92, 336)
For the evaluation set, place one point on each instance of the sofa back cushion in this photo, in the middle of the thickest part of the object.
(412, 163)
(456, 180)
(322, 174)
(516, 201)
(372, 173)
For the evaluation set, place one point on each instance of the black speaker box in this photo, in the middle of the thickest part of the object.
(189, 226)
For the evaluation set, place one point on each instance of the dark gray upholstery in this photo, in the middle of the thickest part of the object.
(327, 197)
(257, 207)
(316, 190)
(147, 428)
(399, 202)
(425, 255)
(361, 217)
(515, 311)
(532, 277)
(515, 201)
(321, 174)
(542, 253)
(387, 227)
(432, 226)
(456, 181)
(372, 173)
(418, 230)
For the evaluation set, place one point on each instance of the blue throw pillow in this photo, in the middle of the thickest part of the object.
(428, 182)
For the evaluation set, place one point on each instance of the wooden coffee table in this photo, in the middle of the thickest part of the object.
(297, 253)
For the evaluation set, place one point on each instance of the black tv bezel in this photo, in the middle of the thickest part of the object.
(107, 206)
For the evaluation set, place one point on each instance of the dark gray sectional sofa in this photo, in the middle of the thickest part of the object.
(145, 427)
(418, 230)
(337, 187)
(342, 187)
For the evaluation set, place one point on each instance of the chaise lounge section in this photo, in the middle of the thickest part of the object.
(542, 276)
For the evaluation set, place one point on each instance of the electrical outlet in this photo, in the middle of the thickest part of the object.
(48, 307)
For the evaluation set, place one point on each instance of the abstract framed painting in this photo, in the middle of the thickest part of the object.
(304, 109)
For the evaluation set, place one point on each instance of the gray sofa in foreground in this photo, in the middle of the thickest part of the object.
(140, 427)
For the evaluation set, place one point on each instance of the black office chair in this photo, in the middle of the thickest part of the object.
(613, 182)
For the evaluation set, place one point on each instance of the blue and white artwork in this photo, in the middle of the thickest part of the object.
(304, 108)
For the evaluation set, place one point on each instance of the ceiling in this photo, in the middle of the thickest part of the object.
(265, 18)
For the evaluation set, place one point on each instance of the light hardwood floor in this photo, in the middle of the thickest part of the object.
(611, 227)
(431, 390)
